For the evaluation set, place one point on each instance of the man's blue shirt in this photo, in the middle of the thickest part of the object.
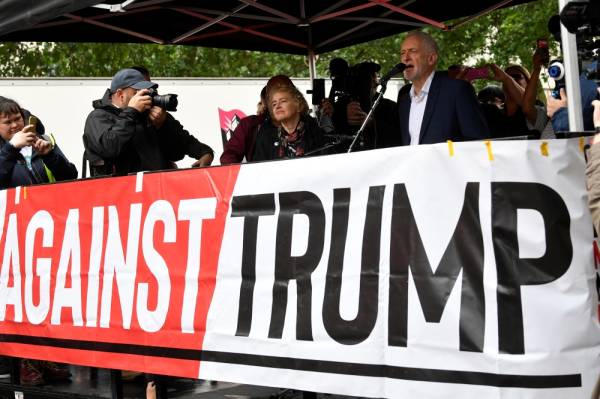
(589, 92)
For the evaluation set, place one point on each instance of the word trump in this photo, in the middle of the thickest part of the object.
(463, 253)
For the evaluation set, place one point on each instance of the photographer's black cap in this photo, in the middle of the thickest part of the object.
(130, 78)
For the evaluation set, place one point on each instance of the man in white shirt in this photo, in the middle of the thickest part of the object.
(436, 108)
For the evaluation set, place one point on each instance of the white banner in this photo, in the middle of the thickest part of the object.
(453, 270)
(458, 270)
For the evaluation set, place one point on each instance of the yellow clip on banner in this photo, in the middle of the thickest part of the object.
(488, 145)
(450, 147)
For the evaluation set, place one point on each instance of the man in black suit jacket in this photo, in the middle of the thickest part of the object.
(435, 108)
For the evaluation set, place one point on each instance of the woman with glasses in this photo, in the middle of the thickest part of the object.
(526, 114)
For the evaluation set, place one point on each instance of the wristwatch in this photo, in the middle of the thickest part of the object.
(50, 138)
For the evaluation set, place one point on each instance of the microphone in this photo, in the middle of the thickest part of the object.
(398, 68)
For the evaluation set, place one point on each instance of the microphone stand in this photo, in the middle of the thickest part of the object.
(324, 147)
(364, 124)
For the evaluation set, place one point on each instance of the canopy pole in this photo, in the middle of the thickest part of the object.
(312, 65)
(570, 61)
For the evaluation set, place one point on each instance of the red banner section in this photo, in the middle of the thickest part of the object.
(113, 272)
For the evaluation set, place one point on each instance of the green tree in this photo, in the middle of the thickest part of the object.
(503, 36)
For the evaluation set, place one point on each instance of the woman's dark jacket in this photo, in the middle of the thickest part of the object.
(267, 140)
(14, 171)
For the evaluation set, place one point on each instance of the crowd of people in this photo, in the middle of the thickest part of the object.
(434, 106)
(127, 133)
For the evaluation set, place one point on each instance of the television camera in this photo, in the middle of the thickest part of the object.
(581, 18)
(348, 84)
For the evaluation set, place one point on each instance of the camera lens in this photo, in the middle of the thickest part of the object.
(166, 101)
(556, 71)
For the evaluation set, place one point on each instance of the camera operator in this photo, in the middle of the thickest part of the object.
(354, 90)
(127, 132)
(581, 21)
(558, 111)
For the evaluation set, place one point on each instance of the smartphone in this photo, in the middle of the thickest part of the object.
(33, 121)
(542, 46)
(477, 73)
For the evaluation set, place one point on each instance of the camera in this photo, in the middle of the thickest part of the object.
(556, 70)
(168, 102)
(580, 16)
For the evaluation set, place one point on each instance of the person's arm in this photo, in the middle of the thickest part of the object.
(9, 153)
(558, 112)
(528, 106)
(150, 390)
(354, 114)
(514, 93)
(8, 159)
(106, 134)
(40, 129)
(238, 145)
(178, 142)
(59, 165)
(204, 160)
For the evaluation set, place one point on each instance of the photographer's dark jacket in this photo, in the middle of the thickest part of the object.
(14, 171)
(120, 141)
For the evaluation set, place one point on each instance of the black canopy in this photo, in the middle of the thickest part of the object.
(286, 26)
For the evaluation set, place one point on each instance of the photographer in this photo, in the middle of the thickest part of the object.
(127, 133)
